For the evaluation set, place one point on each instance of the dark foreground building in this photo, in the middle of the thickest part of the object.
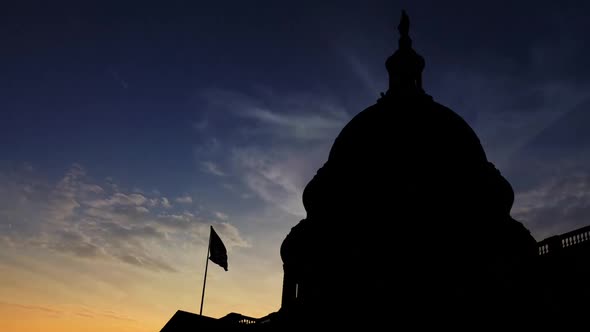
(563, 284)
(408, 224)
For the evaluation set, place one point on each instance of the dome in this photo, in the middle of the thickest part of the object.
(408, 141)
(407, 186)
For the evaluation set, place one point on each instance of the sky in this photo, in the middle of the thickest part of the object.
(127, 128)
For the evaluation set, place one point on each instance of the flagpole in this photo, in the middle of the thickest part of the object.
(205, 279)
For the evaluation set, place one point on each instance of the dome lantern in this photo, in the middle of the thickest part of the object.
(405, 65)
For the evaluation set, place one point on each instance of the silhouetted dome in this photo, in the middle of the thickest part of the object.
(408, 141)
(407, 144)
(411, 130)
(406, 185)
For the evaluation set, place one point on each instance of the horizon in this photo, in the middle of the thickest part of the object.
(128, 131)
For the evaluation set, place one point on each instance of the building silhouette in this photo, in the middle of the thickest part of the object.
(408, 222)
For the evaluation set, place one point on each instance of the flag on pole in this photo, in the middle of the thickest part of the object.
(218, 253)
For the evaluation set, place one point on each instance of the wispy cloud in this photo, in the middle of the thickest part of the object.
(231, 235)
(292, 117)
(280, 143)
(201, 125)
(221, 216)
(165, 202)
(184, 199)
(362, 71)
(44, 309)
(277, 176)
(305, 126)
(557, 205)
(211, 168)
(117, 77)
(74, 217)
(65, 310)
(119, 199)
(91, 313)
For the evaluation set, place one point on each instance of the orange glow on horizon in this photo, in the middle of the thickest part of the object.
(44, 291)
(29, 318)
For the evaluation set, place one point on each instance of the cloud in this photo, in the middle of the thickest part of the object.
(277, 176)
(146, 261)
(165, 203)
(184, 199)
(211, 168)
(221, 216)
(92, 313)
(303, 127)
(361, 71)
(74, 217)
(231, 235)
(265, 116)
(557, 205)
(201, 125)
(281, 140)
(113, 315)
(34, 308)
(117, 77)
(75, 243)
(66, 310)
(120, 199)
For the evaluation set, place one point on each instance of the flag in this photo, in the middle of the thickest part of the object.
(217, 251)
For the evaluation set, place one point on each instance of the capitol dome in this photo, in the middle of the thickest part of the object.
(406, 184)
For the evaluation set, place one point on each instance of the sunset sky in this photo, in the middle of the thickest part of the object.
(127, 128)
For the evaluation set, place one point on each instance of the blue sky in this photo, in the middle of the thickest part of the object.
(127, 127)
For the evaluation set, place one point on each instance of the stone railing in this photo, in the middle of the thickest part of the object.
(564, 241)
(238, 319)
